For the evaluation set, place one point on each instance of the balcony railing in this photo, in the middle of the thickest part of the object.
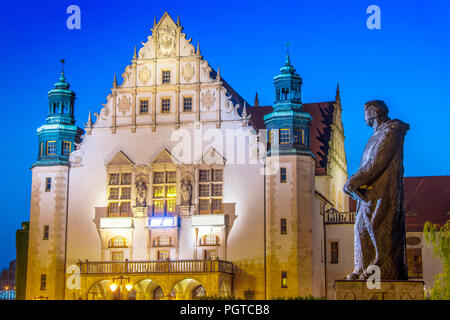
(339, 217)
(136, 267)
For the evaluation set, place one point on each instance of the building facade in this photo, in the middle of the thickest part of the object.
(181, 189)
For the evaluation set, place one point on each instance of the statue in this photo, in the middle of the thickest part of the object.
(141, 193)
(186, 192)
(378, 187)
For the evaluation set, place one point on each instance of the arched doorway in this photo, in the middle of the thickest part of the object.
(100, 291)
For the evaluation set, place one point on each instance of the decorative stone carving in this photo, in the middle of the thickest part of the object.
(144, 75)
(141, 192)
(146, 51)
(166, 41)
(124, 104)
(127, 77)
(378, 186)
(186, 192)
(188, 72)
(208, 99)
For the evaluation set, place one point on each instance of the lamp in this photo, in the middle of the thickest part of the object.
(113, 287)
(129, 286)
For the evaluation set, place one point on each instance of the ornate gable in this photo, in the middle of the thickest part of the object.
(120, 159)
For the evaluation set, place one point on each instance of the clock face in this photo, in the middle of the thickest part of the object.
(166, 41)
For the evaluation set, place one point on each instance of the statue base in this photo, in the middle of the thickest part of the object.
(140, 212)
(389, 290)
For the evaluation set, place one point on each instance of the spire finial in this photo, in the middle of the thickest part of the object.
(256, 103)
(198, 48)
(62, 78)
(178, 20)
(338, 95)
(154, 22)
(244, 111)
(218, 73)
(134, 55)
(288, 59)
(115, 81)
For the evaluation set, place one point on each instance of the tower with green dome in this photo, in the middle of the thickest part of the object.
(288, 123)
(290, 185)
(57, 137)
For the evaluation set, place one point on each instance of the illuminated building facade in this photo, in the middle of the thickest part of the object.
(157, 200)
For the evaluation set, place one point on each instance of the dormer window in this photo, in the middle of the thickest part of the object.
(66, 148)
(51, 148)
(285, 136)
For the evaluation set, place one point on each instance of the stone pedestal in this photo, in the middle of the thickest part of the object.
(389, 290)
(140, 212)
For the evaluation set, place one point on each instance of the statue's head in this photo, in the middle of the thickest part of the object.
(375, 110)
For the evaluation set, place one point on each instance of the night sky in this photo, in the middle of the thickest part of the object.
(405, 63)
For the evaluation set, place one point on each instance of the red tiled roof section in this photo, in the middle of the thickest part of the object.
(322, 114)
(426, 199)
(429, 199)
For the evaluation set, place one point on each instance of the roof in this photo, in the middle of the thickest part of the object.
(320, 133)
(426, 199)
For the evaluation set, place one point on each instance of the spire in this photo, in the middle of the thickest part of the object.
(198, 48)
(338, 95)
(256, 103)
(287, 68)
(88, 124)
(218, 73)
(288, 60)
(134, 55)
(115, 81)
(154, 23)
(62, 78)
(178, 21)
(244, 111)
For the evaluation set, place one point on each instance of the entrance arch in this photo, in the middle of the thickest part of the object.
(187, 289)
(148, 289)
(100, 291)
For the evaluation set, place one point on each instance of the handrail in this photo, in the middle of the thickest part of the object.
(170, 266)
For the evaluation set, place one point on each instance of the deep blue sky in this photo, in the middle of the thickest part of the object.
(406, 63)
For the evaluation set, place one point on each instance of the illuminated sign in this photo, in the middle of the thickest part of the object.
(163, 222)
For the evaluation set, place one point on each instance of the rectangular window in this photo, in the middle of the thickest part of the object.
(113, 193)
(299, 136)
(43, 282)
(46, 230)
(284, 279)
(126, 193)
(117, 256)
(51, 148)
(163, 255)
(187, 104)
(217, 206)
(158, 177)
(125, 209)
(217, 189)
(66, 148)
(204, 176)
(171, 206)
(171, 177)
(334, 252)
(42, 149)
(217, 175)
(48, 184)
(204, 190)
(204, 206)
(165, 105)
(171, 191)
(283, 175)
(158, 207)
(113, 209)
(285, 136)
(114, 179)
(166, 76)
(143, 106)
(126, 179)
(158, 192)
(283, 227)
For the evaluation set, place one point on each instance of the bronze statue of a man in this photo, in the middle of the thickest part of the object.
(378, 186)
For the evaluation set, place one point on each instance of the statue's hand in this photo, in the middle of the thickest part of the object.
(348, 189)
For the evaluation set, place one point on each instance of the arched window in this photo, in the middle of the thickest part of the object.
(198, 292)
(158, 294)
(118, 242)
(209, 240)
(163, 241)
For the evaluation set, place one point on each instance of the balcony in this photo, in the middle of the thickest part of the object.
(145, 267)
(335, 217)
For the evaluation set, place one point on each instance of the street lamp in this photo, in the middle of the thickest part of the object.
(113, 286)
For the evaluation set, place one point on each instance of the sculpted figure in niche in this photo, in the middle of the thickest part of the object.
(186, 192)
(141, 193)
(378, 186)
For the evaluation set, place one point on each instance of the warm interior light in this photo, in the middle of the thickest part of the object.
(113, 287)
(129, 286)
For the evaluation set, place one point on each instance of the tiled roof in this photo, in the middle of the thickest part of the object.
(322, 114)
(426, 199)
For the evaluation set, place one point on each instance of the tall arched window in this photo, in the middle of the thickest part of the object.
(118, 242)
(209, 240)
